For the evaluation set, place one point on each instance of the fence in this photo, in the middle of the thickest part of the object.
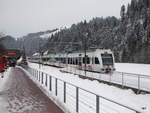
(136, 81)
(78, 99)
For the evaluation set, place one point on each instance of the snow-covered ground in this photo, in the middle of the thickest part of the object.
(3, 102)
(87, 101)
(4, 79)
(129, 75)
(143, 69)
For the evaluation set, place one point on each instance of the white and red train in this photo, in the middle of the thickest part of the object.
(99, 60)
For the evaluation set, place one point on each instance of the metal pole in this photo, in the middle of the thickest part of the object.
(50, 83)
(56, 86)
(64, 92)
(77, 99)
(34, 73)
(97, 104)
(39, 76)
(39, 54)
(85, 56)
(67, 62)
(139, 82)
(46, 80)
(122, 80)
(85, 36)
(42, 77)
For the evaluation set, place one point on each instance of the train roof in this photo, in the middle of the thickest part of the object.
(76, 54)
(73, 54)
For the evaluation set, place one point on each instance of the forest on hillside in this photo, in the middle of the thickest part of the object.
(128, 37)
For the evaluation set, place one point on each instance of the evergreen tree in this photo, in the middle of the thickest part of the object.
(122, 12)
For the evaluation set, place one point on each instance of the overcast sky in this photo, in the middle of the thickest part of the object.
(19, 17)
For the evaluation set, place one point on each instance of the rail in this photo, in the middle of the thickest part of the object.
(78, 99)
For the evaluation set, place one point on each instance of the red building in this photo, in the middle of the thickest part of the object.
(3, 63)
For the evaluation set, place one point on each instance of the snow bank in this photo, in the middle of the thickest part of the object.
(4, 79)
(3, 103)
(133, 68)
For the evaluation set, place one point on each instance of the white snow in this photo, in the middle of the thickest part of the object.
(130, 75)
(4, 79)
(48, 35)
(3, 102)
(143, 69)
(45, 53)
(88, 100)
(19, 60)
(36, 54)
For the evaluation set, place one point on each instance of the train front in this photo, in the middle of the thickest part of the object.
(107, 61)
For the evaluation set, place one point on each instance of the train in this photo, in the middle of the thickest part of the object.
(99, 60)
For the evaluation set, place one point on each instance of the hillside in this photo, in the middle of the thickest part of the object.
(33, 42)
(128, 37)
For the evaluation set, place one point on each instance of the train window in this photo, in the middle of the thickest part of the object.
(63, 60)
(107, 59)
(57, 59)
(76, 61)
(79, 61)
(87, 60)
(96, 60)
(83, 60)
(92, 60)
(73, 60)
(70, 60)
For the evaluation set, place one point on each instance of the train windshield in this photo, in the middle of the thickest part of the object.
(107, 59)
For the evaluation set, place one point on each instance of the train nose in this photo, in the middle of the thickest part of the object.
(108, 68)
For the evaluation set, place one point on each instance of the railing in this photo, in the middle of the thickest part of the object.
(78, 99)
(136, 81)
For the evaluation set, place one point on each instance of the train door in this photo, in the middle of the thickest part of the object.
(89, 63)
(96, 64)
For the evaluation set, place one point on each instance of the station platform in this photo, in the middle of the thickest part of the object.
(20, 95)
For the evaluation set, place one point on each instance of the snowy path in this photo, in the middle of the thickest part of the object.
(21, 95)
